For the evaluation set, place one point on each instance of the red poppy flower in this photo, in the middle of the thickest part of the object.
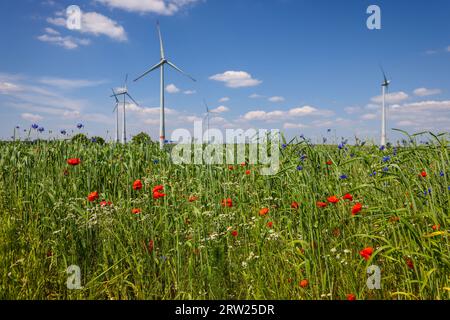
(348, 197)
(157, 195)
(366, 253)
(423, 174)
(234, 233)
(356, 208)
(150, 246)
(193, 198)
(394, 219)
(227, 203)
(351, 297)
(92, 196)
(247, 172)
(321, 204)
(329, 162)
(74, 161)
(157, 192)
(410, 263)
(158, 188)
(436, 227)
(269, 224)
(105, 203)
(137, 185)
(243, 164)
(294, 205)
(304, 283)
(333, 199)
(230, 168)
(263, 211)
(136, 211)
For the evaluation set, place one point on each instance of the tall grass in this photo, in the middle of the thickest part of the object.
(47, 224)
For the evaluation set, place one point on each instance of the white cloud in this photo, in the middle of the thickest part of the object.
(423, 92)
(394, 97)
(8, 87)
(255, 96)
(96, 24)
(369, 116)
(171, 88)
(236, 79)
(162, 7)
(276, 99)
(65, 42)
(67, 84)
(193, 118)
(279, 114)
(31, 117)
(220, 109)
(448, 49)
(353, 110)
(224, 99)
(190, 92)
(52, 31)
(290, 125)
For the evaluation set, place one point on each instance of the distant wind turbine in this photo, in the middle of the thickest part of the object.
(160, 64)
(124, 92)
(385, 90)
(207, 116)
(116, 110)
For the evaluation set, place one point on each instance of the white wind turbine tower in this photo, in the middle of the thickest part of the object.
(116, 110)
(385, 88)
(160, 64)
(124, 92)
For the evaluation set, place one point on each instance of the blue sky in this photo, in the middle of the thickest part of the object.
(300, 66)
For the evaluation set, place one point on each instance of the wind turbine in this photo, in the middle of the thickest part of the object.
(207, 116)
(160, 64)
(116, 110)
(385, 89)
(124, 92)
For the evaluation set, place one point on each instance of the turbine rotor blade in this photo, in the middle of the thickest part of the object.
(137, 104)
(384, 74)
(114, 95)
(206, 105)
(181, 71)
(159, 64)
(160, 40)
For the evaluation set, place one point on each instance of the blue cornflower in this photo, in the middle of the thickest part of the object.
(93, 140)
(155, 161)
(17, 127)
(341, 146)
(303, 157)
(427, 192)
(80, 126)
(35, 126)
(63, 132)
(373, 174)
(385, 169)
(299, 168)
(386, 159)
(382, 148)
(284, 146)
(41, 129)
(352, 155)
(302, 136)
(448, 188)
(442, 173)
(342, 177)
(395, 151)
